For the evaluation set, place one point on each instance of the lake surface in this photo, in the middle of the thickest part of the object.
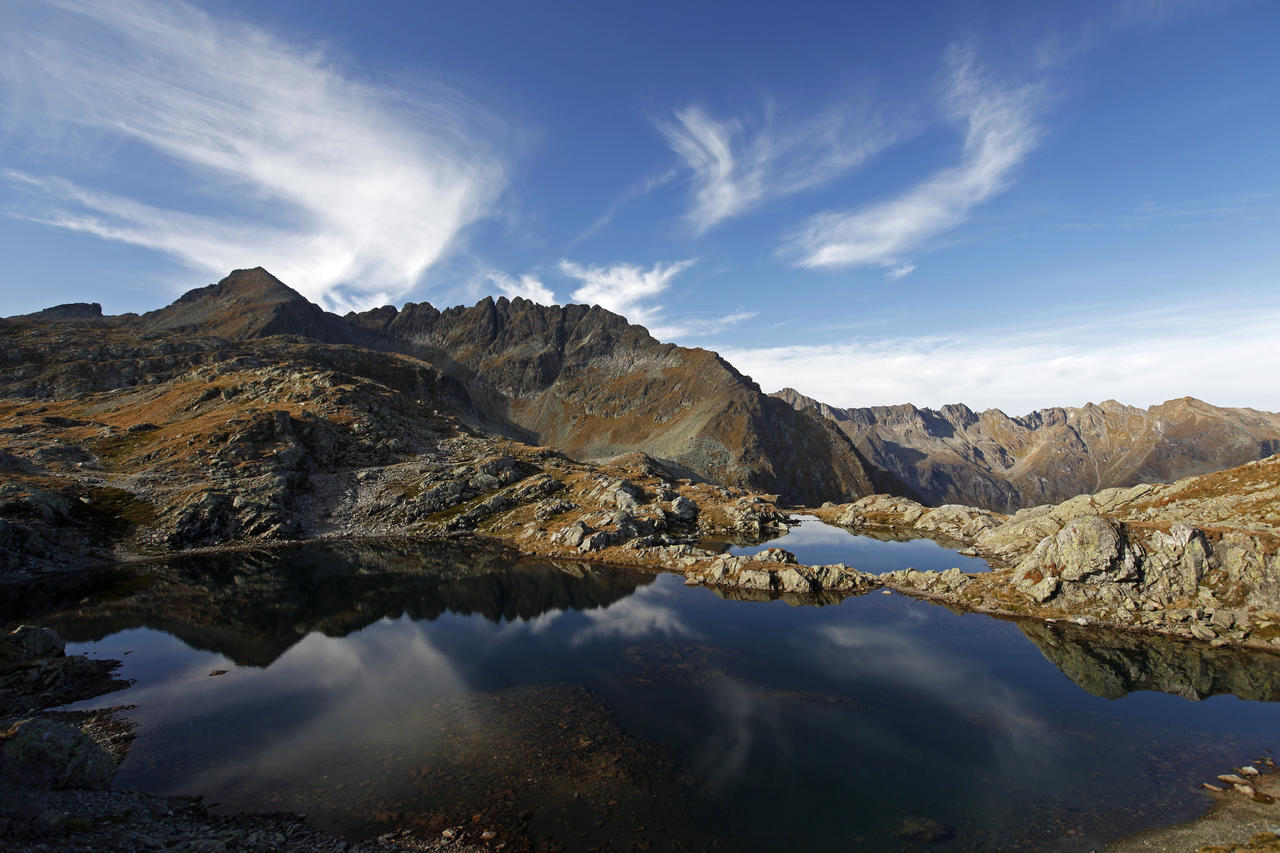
(570, 708)
(818, 544)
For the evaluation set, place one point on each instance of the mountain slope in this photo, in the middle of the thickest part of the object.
(588, 382)
(577, 377)
(247, 304)
(988, 459)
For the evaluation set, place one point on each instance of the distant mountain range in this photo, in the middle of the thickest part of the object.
(587, 382)
(991, 460)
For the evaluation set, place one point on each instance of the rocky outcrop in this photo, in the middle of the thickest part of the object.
(991, 460)
(774, 571)
(1199, 557)
(43, 753)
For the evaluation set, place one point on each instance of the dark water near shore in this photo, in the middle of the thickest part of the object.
(817, 544)
(569, 708)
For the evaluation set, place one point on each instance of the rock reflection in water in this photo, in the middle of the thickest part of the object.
(1113, 664)
(816, 543)
(252, 606)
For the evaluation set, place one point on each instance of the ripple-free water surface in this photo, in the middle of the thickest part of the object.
(817, 544)
(602, 709)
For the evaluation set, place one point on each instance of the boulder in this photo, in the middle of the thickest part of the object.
(683, 508)
(40, 753)
(573, 534)
(28, 641)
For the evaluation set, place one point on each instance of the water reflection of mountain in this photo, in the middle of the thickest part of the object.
(252, 606)
(1113, 664)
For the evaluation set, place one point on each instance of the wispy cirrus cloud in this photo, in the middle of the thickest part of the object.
(1139, 360)
(636, 191)
(345, 189)
(633, 291)
(528, 286)
(626, 289)
(738, 165)
(1000, 131)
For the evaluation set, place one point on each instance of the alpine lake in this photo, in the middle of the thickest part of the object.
(374, 686)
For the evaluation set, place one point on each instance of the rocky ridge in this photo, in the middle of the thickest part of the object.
(991, 460)
(1195, 558)
(576, 377)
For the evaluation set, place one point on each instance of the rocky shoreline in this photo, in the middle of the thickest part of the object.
(134, 439)
(56, 769)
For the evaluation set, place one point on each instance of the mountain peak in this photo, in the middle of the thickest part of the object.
(248, 303)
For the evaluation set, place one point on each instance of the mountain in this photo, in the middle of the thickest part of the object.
(577, 377)
(991, 460)
(247, 304)
(586, 381)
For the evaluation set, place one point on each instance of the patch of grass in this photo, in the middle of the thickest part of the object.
(119, 447)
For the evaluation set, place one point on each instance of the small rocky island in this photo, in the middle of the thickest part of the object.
(242, 416)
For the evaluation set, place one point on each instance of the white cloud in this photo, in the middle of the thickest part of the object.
(633, 618)
(625, 289)
(737, 166)
(1000, 132)
(699, 327)
(1227, 358)
(345, 190)
(528, 286)
(901, 271)
(630, 290)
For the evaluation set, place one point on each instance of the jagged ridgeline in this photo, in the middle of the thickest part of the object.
(954, 455)
(577, 377)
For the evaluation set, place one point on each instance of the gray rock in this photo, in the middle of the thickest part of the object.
(1202, 632)
(28, 641)
(683, 508)
(597, 541)
(792, 580)
(573, 534)
(44, 754)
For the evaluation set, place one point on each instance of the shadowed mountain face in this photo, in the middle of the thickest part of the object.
(588, 382)
(988, 459)
(1113, 665)
(253, 606)
(578, 378)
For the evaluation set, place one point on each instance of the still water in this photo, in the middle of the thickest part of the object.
(571, 708)
(817, 544)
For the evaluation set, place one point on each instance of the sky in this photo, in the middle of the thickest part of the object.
(1009, 205)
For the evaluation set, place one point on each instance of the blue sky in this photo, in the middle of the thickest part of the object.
(1003, 204)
